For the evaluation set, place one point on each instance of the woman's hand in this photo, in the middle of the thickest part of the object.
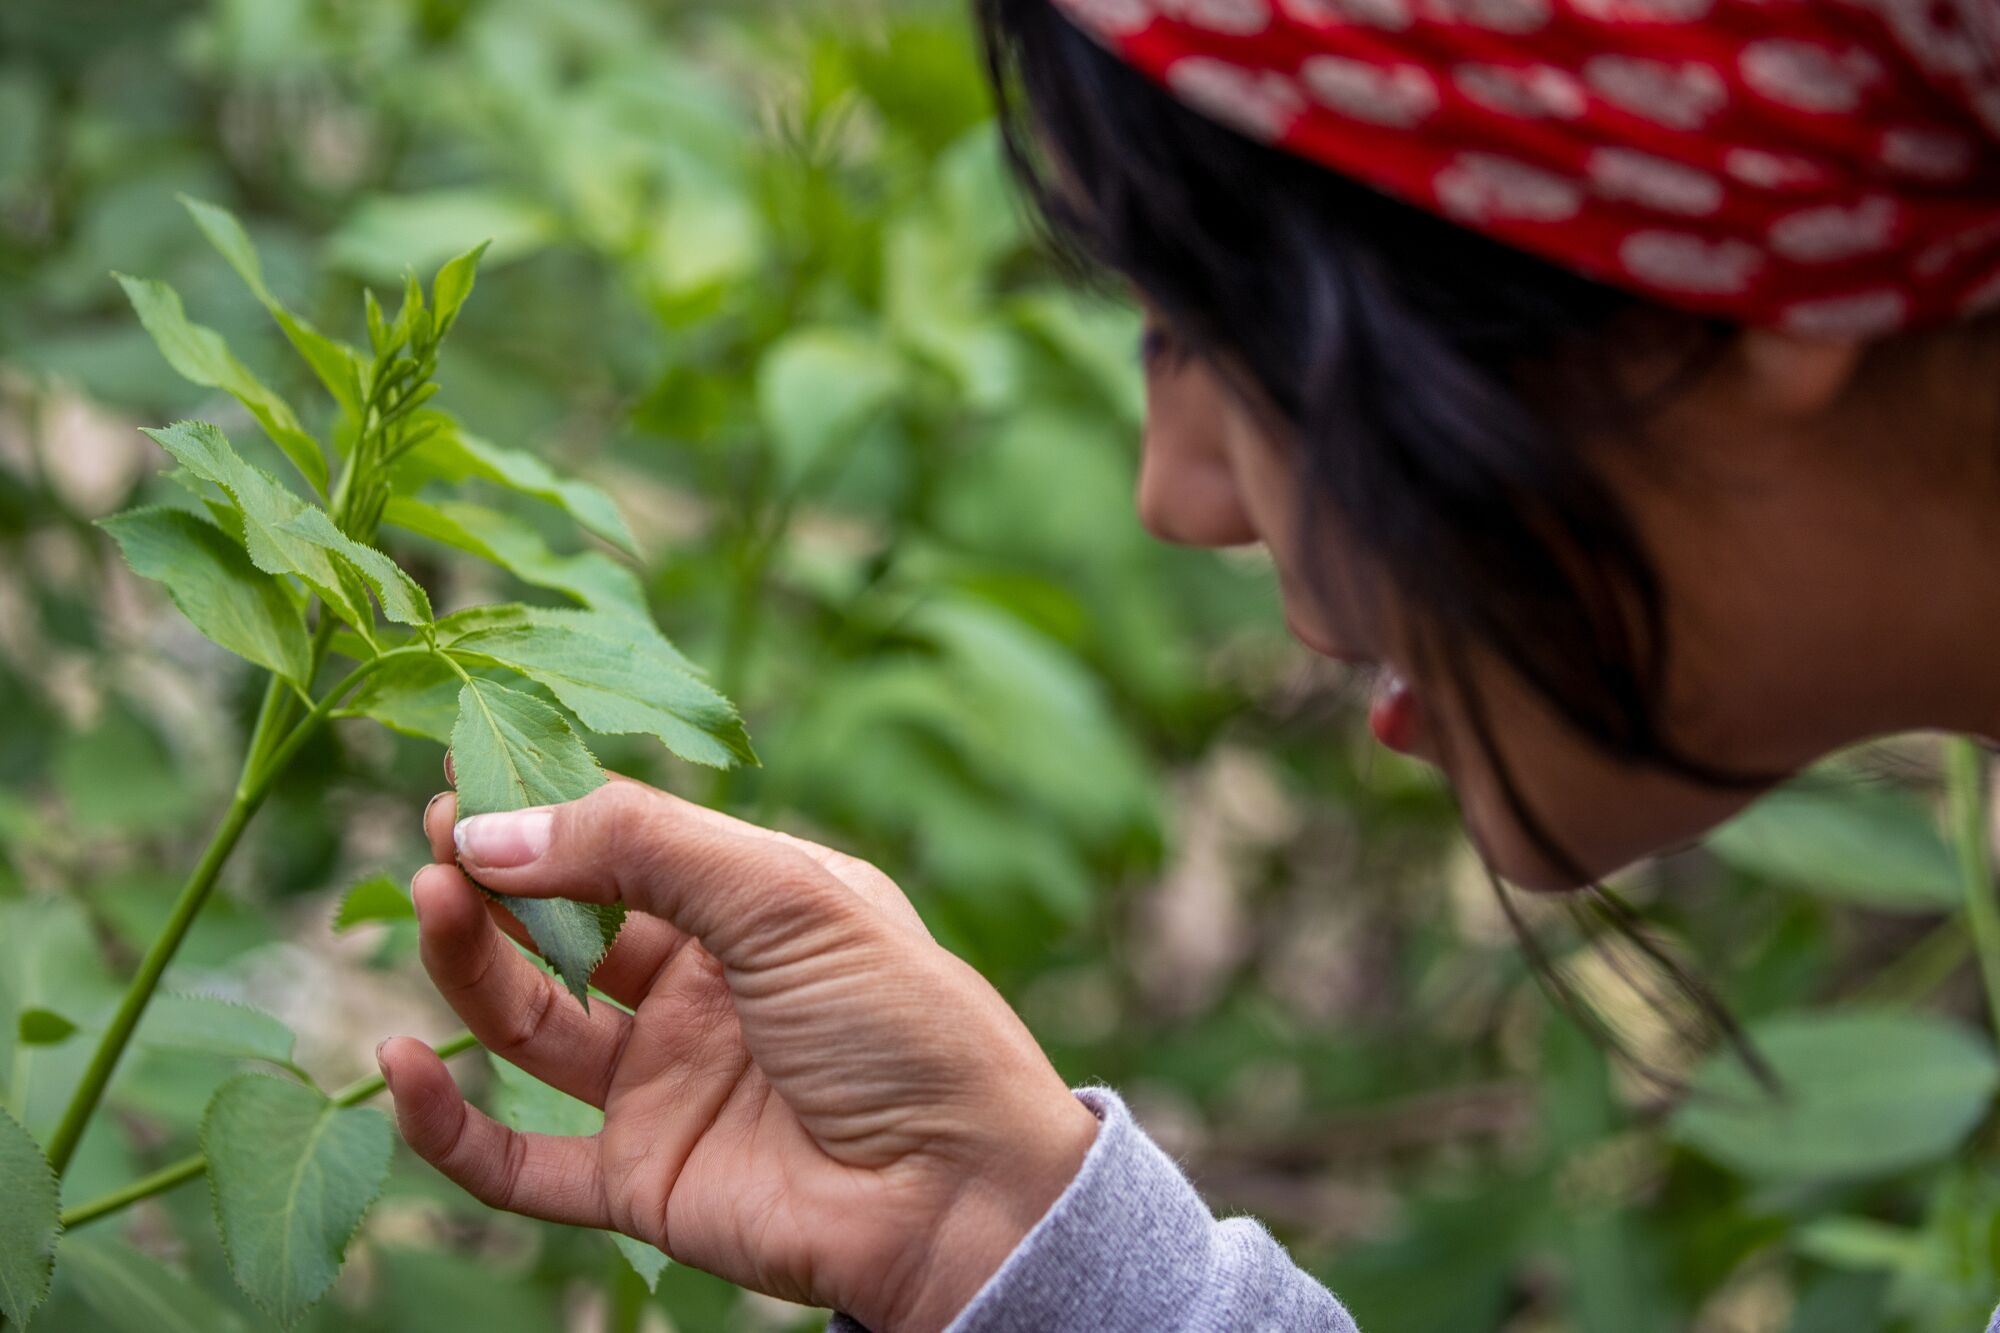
(810, 1097)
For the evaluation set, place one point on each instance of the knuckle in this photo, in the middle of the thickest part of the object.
(520, 1029)
(618, 817)
(455, 970)
(798, 900)
(507, 1181)
(785, 880)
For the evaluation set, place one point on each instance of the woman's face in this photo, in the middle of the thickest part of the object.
(1773, 638)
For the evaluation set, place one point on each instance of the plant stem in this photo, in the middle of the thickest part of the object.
(145, 1187)
(83, 1102)
(1928, 964)
(179, 1173)
(259, 772)
(1965, 774)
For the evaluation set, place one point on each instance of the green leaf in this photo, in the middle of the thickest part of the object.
(220, 592)
(453, 285)
(523, 1102)
(511, 751)
(590, 577)
(29, 1220)
(337, 365)
(269, 511)
(1862, 1093)
(572, 936)
(632, 633)
(647, 1261)
(199, 354)
(44, 1027)
(378, 327)
(211, 1025)
(615, 687)
(291, 1175)
(388, 234)
(1860, 1243)
(378, 898)
(454, 455)
(403, 599)
(412, 310)
(119, 776)
(416, 696)
(1871, 846)
(134, 1293)
(817, 388)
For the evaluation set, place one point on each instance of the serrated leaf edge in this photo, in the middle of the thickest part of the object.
(247, 1008)
(48, 1260)
(215, 1199)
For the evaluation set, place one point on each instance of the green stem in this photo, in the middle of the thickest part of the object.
(1928, 964)
(1965, 772)
(188, 1168)
(83, 1102)
(251, 789)
(145, 1187)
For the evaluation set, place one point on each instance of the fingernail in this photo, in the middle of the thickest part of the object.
(431, 805)
(450, 769)
(416, 902)
(382, 1064)
(503, 841)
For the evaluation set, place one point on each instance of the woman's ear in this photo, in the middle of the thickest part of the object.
(1786, 375)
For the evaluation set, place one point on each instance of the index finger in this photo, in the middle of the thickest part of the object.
(752, 900)
(874, 887)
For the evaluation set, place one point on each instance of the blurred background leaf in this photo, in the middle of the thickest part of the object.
(756, 274)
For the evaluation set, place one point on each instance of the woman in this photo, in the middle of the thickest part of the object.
(1608, 372)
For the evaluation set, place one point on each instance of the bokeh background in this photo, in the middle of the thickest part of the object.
(755, 269)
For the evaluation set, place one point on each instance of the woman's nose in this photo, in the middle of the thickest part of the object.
(1188, 491)
(1190, 499)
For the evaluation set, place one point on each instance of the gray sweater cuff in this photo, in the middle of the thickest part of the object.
(1131, 1246)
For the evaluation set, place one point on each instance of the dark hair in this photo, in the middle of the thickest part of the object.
(1391, 347)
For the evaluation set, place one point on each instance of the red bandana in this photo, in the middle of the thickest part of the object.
(1827, 166)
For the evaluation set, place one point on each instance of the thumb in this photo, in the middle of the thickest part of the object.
(753, 902)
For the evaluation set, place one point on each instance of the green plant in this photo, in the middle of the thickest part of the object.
(292, 582)
(757, 264)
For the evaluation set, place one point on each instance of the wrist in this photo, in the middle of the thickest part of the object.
(991, 1212)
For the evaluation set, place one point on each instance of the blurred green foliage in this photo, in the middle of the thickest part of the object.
(755, 270)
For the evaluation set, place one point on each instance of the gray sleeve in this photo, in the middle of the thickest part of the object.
(1131, 1248)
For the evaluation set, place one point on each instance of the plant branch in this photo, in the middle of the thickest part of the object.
(1965, 774)
(259, 772)
(83, 1102)
(188, 1168)
(1928, 964)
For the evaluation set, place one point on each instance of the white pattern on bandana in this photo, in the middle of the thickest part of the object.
(1830, 166)
(1682, 263)
(1259, 103)
(1806, 76)
(1115, 18)
(1484, 187)
(1670, 187)
(1681, 96)
(1643, 11)
(1390, 15)
(1531, 91)
(1862, 315)
(1833, 232)
(1399, 95)
(1933, 155)
(1512, 16)
(1231, 16)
